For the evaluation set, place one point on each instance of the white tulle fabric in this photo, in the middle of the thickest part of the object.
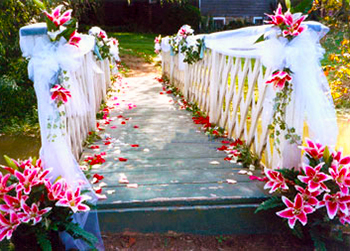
(311, 98)
(46, 59)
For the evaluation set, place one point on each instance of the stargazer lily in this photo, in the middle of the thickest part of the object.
(60, 94)
(7, 226)
(334, 203)
(279, 79)
(13, 203)
(278, 18)
(276, 181)
(58, 19)
(314, 178)
(32, 213)
(74, 39)
(313, 149)
(74, 201)
(293, 22)
(309, 197)
(295, 211)
(4, 189)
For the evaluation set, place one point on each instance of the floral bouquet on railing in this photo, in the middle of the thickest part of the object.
(105, 47)
(184, 42)
(157, 45)
(317, 196)
(33, 209)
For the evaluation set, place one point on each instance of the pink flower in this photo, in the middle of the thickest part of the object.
(295, 211)
(74, 40)
(185, 31)
(278, 18)
(4, 189)
(279, 79)
(334, 203)
(102, 34)
(32, 213)
(73, 201)
(341, 176)
(157, 39)
(7, 226)
(293, 22)
(344, 218)
(57, 190)
(60, 94)
(13, 203)
(314, 178)
(276, 181)
(58, 19)
(27, 180)
(315, 150)
(337, 157)
(308, 197)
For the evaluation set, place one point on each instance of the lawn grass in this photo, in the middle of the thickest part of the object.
(137, 44)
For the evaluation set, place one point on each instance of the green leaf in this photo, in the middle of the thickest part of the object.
(288, 5)
(40, 4)
(10, 162)
(78, 233)
(43, 241)
(326, 154)
(260, 39)
(317, 239)
(270, 203)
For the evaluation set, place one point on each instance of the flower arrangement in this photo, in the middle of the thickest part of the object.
(185, 43)
(105, 47)
(157, 46)
(34, 207)
(61, 25)
(285, 26)
(317, 195)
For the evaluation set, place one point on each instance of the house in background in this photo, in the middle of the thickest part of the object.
(225, 11)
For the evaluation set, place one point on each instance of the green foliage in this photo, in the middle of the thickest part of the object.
(43, 241)
(270, 203)
(78, 233)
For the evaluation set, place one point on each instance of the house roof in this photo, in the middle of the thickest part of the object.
(235, 8)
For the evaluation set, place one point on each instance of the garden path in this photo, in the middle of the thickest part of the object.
(174, 170)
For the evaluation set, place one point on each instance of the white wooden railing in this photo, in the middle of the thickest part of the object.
(94, 85)
(91, 81)
(231, 90)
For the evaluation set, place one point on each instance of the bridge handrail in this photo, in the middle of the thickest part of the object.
(241, 110)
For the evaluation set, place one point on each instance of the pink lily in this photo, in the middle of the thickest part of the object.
(7, 226)
(276, 181)
(334, 203)
(32, 213)
(344, 218)
(293, 22)
(309, 197)
(295, 211)
(58, 19)
(279, 79)
(57, 190)
(314, 178)
(102, 34)
(73, 201)
(13, 203)
(60, 94)
(4, 189)
(278, 18)
(27, 180)
(185, 31)
(74, 39)
(315, 150)
(341, 176)
(337, 157)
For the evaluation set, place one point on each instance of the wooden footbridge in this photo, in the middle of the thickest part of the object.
(161, 172)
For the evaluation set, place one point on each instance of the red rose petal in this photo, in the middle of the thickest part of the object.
(113, 127)
(136, 126)
(123, 122)
(98, 191)
(123, 159)
(135, 145)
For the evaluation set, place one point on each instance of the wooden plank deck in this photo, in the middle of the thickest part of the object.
(179, 186)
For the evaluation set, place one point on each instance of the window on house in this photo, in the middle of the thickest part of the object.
(258, 20)
(152, 1)
(219, 22)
